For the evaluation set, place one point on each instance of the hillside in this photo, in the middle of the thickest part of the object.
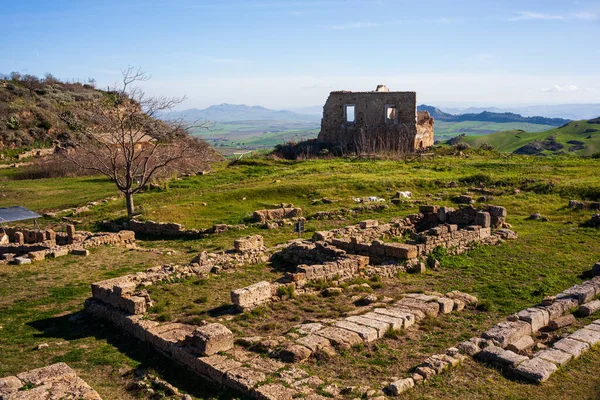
(487, 116)
(239, 112)
(580, 138)
(29, 109)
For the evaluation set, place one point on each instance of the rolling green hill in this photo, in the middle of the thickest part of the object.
(445, 130)
(580, 138)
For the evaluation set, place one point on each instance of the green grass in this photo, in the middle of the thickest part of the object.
(37, 301)
(510, 141)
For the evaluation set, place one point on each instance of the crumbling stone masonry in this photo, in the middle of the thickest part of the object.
(56, 381)
(20, 245)
(376, 121)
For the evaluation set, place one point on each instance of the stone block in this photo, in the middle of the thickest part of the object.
(561, 322)
(314, 342)
(59, 253)
(211, 339)
(571, 346)
(243, 379)
(507, 332)
(366, 333)
(80, 252)
(537, 317)
(446, 305)
(295, 353)
(590, 308)
(521, 345)
(248, 243)
(369, 223)
(394, 323)
(483, 219)
(431, 308)
(400, 251)
(20, 260)
(379, 326)
(586, 335)
(428, 209)
(536, 370)
(339, 337)
(251, 296)
(500, 357)
(555, 356)
(497, 211)
(409, 318)
(468, 347)
(425, 372)
(399, 386)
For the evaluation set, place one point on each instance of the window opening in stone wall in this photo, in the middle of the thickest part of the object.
(349, 111)
(390, 113)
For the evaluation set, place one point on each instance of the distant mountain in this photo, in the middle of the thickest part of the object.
(487, 116)
(238, 112)
(568, 111)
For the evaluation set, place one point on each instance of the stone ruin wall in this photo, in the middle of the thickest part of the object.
(425, 133)
(344, 253)
(26, 245)
(170, 229)
(369, 131)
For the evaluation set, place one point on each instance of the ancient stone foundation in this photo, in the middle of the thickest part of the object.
(170, 229)
(32, 245)
(56, 381)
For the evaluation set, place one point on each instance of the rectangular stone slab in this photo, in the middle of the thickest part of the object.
(536, 370)
(394, 322)
(555, 356)
(507, 332)
(593, 327)
(498, 356)
(585, 335)
(340, 337)
(314, 342)
(574, 347)
(431, 308)
(366, 333)
(409, 318)
(589, 308)
(380, 326)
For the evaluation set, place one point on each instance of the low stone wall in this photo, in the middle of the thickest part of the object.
(71, 242)
(207, 351)
(501, 344)
(584, 205)
(276, 214)
(170, 229)
(56, 381)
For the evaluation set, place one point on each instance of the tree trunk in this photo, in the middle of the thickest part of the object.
(129, 200)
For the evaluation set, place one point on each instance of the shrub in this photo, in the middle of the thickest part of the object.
(13, 123)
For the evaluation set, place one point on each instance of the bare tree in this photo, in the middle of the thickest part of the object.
(124, 140)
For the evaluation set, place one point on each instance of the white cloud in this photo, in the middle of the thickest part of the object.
(527, 15)
(355, 25)
(565, 89)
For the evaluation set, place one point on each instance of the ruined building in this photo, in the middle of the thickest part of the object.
(378, 121)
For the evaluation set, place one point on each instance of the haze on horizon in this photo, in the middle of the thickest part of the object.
(288, 54)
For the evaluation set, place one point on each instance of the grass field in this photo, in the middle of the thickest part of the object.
(42, 302)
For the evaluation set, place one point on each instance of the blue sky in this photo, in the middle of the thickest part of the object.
(284, 54)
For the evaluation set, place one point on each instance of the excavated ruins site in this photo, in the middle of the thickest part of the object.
(327, 299)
